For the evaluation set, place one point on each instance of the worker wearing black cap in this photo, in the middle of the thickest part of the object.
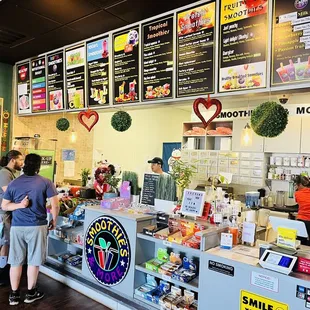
(157, 165)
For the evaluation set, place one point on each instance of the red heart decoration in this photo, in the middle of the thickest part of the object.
(207, 104)
(88, 114)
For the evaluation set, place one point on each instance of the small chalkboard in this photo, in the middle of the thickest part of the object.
(149, 188)
(193, 202)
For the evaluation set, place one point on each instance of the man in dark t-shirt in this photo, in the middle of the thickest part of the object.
(26, 198)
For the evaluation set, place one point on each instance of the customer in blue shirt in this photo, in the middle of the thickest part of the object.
(26, 197)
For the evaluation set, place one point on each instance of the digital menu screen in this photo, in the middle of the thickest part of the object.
(55, 81)
(98, 71)
(75, 70)
(195, 50)
(243, 45)
(126, 65)
(157, 58)
(38, 77)
(23, 88)
(291, 42)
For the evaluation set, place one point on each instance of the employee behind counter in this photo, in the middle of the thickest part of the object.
(302, 197)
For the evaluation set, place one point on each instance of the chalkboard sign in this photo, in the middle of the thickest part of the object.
(193, 202)
(149, 188)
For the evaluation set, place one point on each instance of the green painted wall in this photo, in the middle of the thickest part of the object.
(6, 74)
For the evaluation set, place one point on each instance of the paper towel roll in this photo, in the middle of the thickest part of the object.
(250, 216)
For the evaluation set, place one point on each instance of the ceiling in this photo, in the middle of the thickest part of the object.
(31, 27)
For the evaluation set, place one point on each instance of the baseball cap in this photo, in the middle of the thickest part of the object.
(156, 160)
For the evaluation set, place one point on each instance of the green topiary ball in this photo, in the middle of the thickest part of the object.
(62, 124)
(121, 121)
(269, 119)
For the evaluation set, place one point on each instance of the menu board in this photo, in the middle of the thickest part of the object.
(23, 88)
(291, 42)
(55, 81)
(193, 202)
(126, 65)
(195, 50)
(75, 69)
(157, 59)
(38, 86)
(149, 188)
(243, 45)
(98, 71)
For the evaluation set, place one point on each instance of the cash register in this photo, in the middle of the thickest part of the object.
(281, 259)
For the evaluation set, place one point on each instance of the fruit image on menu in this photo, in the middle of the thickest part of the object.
(291, 42)
(243, 45)
(23, 88)
(126, 66)
(38, 85)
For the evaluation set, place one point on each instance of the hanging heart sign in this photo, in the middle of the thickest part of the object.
(88, 115)
(207, 103)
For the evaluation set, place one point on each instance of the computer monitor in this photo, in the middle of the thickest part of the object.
(285, 223)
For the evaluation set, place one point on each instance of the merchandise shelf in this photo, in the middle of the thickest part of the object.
(63, 240)
(173, 245)
(192, 286)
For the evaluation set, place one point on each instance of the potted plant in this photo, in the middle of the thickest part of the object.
(113, 182)
(85, 174)
(182, 173)
(132, 178)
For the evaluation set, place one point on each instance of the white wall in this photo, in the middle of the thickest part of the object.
(144, 139)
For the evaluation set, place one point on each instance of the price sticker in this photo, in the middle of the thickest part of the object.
(167, 243)
(166, 278)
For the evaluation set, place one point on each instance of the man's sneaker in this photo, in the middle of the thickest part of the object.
(33, 297)
(14, 298)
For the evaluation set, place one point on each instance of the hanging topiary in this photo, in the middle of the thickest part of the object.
(62, 124)
(121, 121)
(269, 119)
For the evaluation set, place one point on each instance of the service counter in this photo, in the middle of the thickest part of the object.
(232, 279)
(109, 245)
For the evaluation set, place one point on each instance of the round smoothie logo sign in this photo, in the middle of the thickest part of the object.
(107, 251)
(300, 4)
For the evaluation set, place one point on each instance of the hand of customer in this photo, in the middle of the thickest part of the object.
(51, 225)
(24, 203)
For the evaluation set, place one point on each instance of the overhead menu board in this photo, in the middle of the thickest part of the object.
(291, 42)
(75, 69)
(23, 88)
(126, 65)
(38, 85)
(157, 59)
(98, 71)
(55, 81)
(243, 45)
(195, 50)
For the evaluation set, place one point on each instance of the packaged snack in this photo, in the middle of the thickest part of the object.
(174, 225)
(162, 289)
(192, 242)
(162, 234)
(170, 300)
(178, 238)
(155, 263)
(187, 273)
(189, 297)
(74, 260)
(62, 257)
